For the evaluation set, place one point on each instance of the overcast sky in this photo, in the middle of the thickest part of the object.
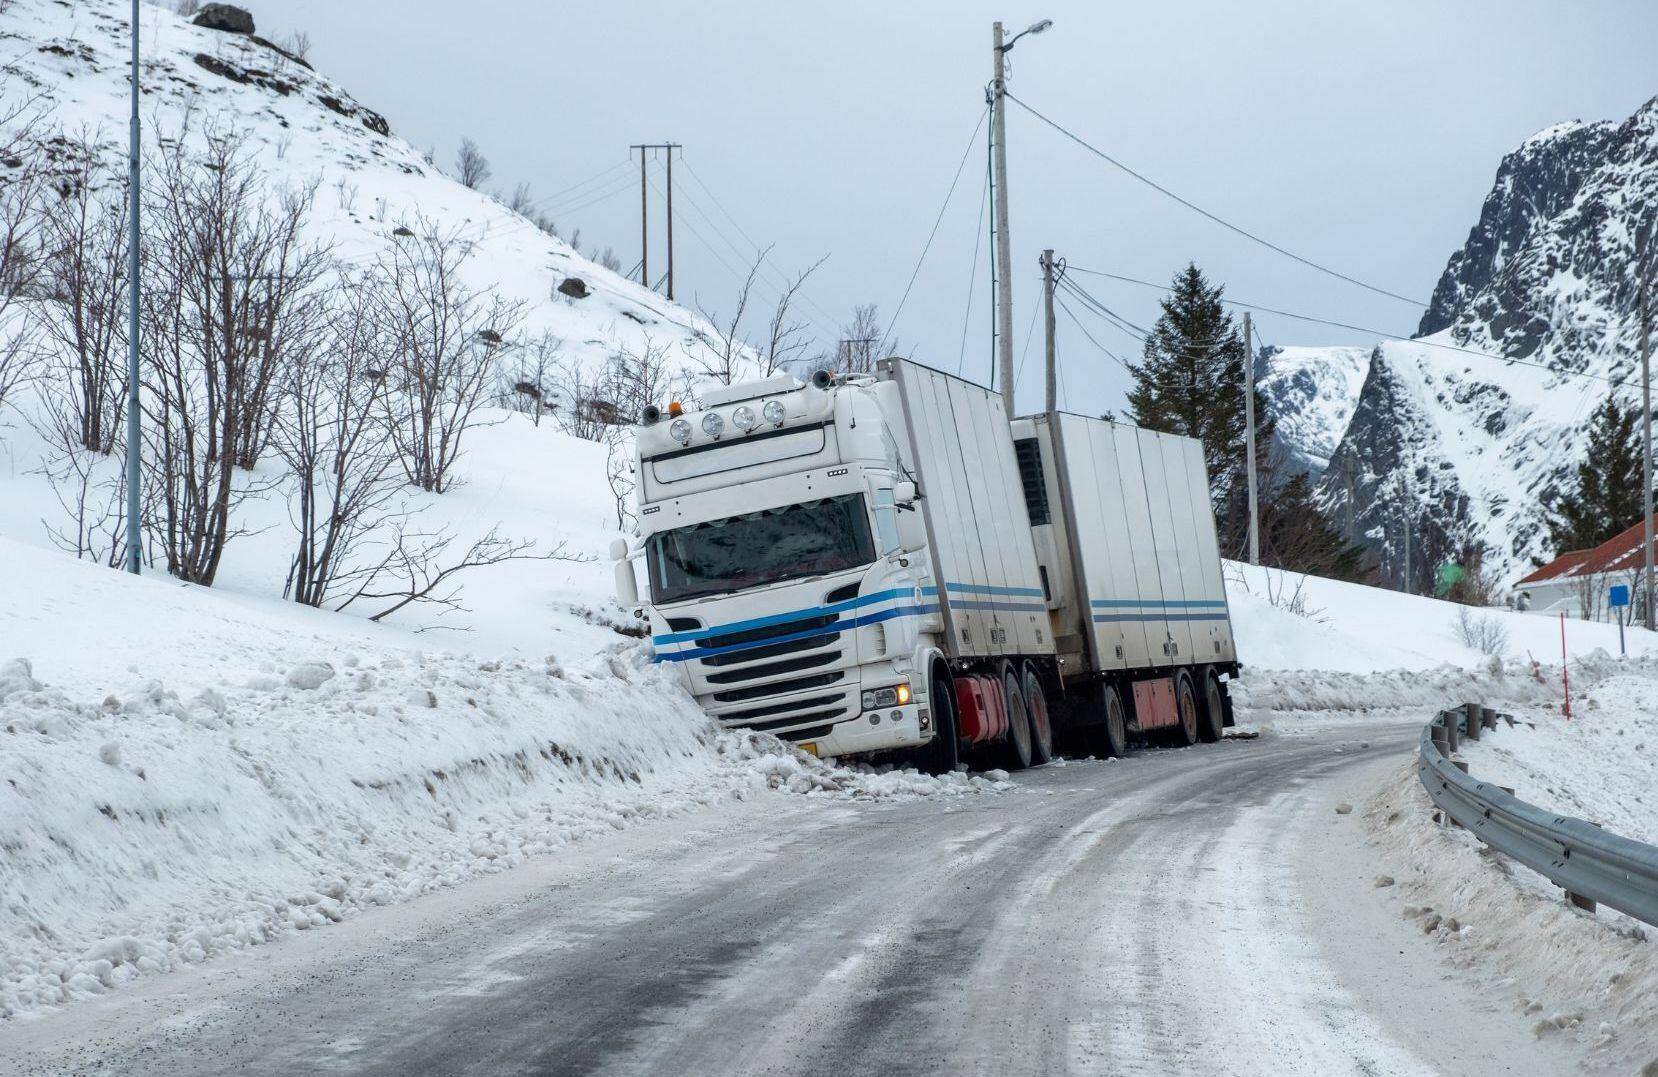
(1360, 135)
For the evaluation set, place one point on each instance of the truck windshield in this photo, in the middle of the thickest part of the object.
(808, 539)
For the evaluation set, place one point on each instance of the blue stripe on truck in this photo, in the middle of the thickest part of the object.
(827, 630)
(784, 618)
(1101, 618)
(1124, 603)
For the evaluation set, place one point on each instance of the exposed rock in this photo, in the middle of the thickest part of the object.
(574, 287)
(1383, 881)
(1344, 808)
(226, 17)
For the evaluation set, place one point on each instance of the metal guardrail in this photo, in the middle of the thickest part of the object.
(1589, 863)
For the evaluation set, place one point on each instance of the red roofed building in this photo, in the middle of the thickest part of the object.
(1578, 582)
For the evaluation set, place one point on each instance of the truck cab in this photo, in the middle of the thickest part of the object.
(786, 573)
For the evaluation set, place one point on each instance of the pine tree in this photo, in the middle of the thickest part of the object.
(1296, 535)
(1190, 380)
(1608, 495)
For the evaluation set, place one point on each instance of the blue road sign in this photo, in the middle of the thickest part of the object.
(1619, 595)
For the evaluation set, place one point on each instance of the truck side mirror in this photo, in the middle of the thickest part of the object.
(903, 493)
(627, 587)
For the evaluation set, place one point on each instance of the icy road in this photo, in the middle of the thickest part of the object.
(1193, 912)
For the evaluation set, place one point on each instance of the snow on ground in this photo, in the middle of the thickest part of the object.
(1600, 765)
(258, 774)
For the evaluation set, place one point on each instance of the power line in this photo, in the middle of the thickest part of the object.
(972, 140)
(1362, 329)
(1096, 151)
(973, 273)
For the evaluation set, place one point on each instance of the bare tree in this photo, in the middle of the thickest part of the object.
(520, 200)
(631, 380)
(298, 45)
(723, 362)
(860, 339)
(608, 259)
(450, 339)
(84, 261)
(230, 294)
(786, 334)
(331, 433)
(471, 167)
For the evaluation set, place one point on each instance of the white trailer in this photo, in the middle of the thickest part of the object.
(867, 564)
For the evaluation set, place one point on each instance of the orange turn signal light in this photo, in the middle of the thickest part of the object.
(675, 409)
(903, 694)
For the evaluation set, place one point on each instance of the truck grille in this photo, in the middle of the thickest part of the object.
(759, 674)
(777, 688)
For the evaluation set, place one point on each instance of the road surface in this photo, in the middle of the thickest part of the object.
(1194, 912)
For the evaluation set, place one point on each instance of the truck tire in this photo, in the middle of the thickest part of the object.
(1041, 724)
(1016, 749)
(1185, 702)
(1214, 708)
(1114, 733)
(943, 753)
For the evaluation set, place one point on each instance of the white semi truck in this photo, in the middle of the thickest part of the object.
(882, 563)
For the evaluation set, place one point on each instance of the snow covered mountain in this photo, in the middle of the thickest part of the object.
(72, 59)
(1311, 392)
(1458, 448)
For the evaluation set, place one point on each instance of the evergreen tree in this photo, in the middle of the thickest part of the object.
(1608, 495)
(1190, 381)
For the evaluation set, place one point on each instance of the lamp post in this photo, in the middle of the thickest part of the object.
(1004, 251)
(134, 532)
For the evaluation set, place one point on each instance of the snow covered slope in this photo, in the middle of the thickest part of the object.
(1477, 447)
(306, 129)
(1310, 393)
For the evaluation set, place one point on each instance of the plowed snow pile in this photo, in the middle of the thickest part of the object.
(196, 813)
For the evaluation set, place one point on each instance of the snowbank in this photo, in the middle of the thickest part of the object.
(1347, 627)
(1601, 765)
(186, 773)
(1591, 978)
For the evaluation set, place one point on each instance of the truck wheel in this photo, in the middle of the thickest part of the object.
(1016, 750)
(1185, 701)
(941, 755)
(1114, 733)
(1041, 726)
(1214, 708)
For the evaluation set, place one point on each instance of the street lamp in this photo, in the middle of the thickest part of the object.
(1004, 250)
(1037, 27)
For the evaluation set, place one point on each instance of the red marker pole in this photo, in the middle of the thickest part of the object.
(1565, 678)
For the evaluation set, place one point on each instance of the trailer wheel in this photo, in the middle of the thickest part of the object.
(1016, 749)
(1214, 708)
(1185, 699)
(1115, 729)
(942, 754)
(1042, 730)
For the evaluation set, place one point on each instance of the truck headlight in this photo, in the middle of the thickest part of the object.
(680, 431)
(744, 419)
(896, 696)
(773, 412)
(713, 425)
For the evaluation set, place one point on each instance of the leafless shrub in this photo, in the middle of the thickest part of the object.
(631, 380)
(1285, 591)
(724, 358)
(856, 352)
(532, 386)
(786, 335)
(22, 186)
(91, 492)
(298, 44)
(84, 263)
(608, 259)
(417, 567)
(471, 166)
(450, 341)
(230, 296)
(186, 9)
(521, 200)
(1484, 633)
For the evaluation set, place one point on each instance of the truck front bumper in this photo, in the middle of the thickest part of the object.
(873, 731)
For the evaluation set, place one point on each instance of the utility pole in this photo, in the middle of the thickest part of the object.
(135, 537)
(1249, 444)
(644, 225)
(645, 148)
(1004, 248)
(1645, 303)
(670, 221)
(1052, 397)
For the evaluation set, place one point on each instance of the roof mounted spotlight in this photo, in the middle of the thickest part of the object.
(650, 415)
(822, 379)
